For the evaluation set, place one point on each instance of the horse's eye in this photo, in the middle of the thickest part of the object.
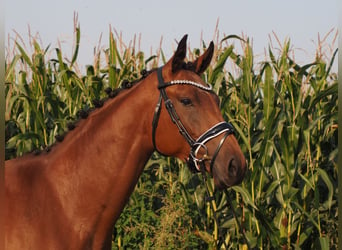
(186, 101)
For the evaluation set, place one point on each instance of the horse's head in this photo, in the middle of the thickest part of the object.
(188, 123)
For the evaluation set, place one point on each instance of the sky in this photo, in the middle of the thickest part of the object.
(298, 20)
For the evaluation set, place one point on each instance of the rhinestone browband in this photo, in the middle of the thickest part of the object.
(187, 82)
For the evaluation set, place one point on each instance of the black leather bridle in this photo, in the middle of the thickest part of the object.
(222, 127)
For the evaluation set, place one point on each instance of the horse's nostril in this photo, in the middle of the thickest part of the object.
(232, 168)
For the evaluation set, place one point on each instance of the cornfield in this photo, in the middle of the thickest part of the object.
(285, 117)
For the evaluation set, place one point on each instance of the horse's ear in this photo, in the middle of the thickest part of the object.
(204, 60)
(178, 57)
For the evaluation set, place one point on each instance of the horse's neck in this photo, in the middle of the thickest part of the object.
(95, 169)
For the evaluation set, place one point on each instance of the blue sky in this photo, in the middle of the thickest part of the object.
(300, 20)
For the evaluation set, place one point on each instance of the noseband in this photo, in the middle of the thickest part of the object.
(222, 127)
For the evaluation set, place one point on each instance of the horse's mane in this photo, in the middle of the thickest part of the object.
(98, 103)
(111, 93)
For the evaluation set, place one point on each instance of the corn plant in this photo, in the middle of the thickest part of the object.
(285, 117)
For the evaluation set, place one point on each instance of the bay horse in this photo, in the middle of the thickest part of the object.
(71, 196)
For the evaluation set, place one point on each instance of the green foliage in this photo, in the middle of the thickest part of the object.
(161, 213)
(285, 116)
